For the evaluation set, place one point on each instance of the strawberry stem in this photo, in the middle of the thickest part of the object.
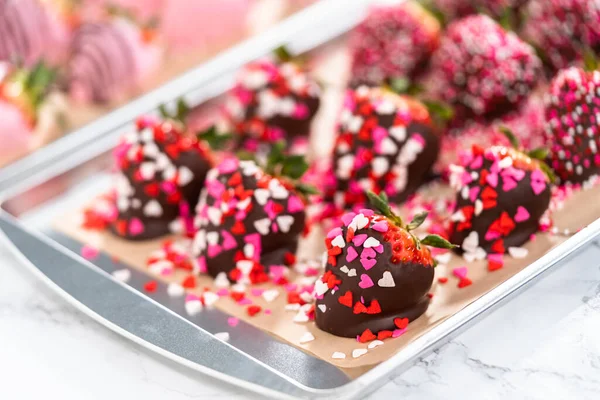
(216, 140)
(292, 166)
(180, 114)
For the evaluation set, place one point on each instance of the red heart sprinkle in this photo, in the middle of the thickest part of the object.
(150, 286)
(498, 246)
(374, 308)
(189, 282)
(367, 336)
(381, 335)
(346, 299)
(359, 308)
(253, 310)
(494, 265)
(464, 283)
(237, 296)
(401, 323)
(442, 280)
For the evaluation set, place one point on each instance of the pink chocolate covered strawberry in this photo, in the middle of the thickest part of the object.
(161, 170)
(377, 276)
(272, 102)
(481, 69)
(250, 218)
(573, 125)
(385, 143)
(394, 41)
(502, 194)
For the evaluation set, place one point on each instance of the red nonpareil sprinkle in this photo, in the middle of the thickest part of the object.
(442, 280)
(189, 282)
(366, 336)
(150, 286)
(253, 310)
(464, 283)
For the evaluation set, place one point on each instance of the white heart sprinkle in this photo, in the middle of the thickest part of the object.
(185, 175)
(221, 280)
(122, 275)
(518, 252)
(307, 297)
(388, 146)
(175, 290)
(301, 317)
(292, 307)
(147, 170)
(261, 196)
(307, 337)
(471, 242)
(320, 288)
(277, 190)
(285, 222)
(214, 215)
(212, 238)
(262, 226)
(374, 344)
(387, 280)
(270, 295)
(478, 206)
(322, 307)
(338, 241)
(193, 307)
(358, 352)
(371, 242)
(338, 355)
(399, 132)
(153, 209)
(344, 269)
(249, 250)
(223, 336)
(245, 266)
(210, 298)
(352, 272)
(359, 222)
(380, 166)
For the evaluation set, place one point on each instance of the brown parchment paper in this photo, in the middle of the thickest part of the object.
(331, 67)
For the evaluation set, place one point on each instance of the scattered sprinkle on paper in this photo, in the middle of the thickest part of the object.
(233, 321)
(89, 252)
(175, 290)
(224, 336)
(358, 352)
(307, 337)
(375, 343)
(338, 355)
(122, 275)
(518, 252)
(193, 307)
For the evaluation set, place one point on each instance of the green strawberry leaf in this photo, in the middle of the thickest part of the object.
(283, 54)
(438, 242)
(306, 189)
(514, 142)
(216, 140)
(540, 153)
(417, 221)
(182, 110)
(294, 166)
(440, 112)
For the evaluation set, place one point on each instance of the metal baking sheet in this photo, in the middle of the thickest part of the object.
(251, 358)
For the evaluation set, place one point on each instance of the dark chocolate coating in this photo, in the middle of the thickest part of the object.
(274, 245)
(194, 157)
(507, 202)
(407, 299)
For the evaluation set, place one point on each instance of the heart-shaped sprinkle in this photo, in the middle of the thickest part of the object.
(228, 240)
(307, 337)
(359, 221)
(295, 204)
(222, 336)
(522, 214)
(351, 255)
(338, 355)
(233, 321)
(387, 280)
(193, 307)
(368, 263)
(401, 323)
(460, 272)
(270, 295)
(374, 344)
(365, 281)
(262, 226)
(136, 227)
(344, 269)
(368, 253)
(371, 242)
(381, 226)
(352, 272)
(209, 298)
(464, 283)
(261, 196)
(122, 275)
(322, 307)
(338, 241)
(518, 252)
(346, 299)
(320, 287)
(285, 222)
(347, 218)
(359, 308)
(359, 239)
(358, 352)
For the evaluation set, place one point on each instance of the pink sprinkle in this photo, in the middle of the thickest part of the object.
(223, 292)
(268, 311)
(368, 253)
(136, 226)
(233, 321)
(359, 239)
(347, 218)
(351, 255)
(522, 214)
(311, 272)
(368, 263)
(295, 204)
(202, 264)
(460, 272)
(365, 281)
(495, 257)
(88, 252)
(398, 332)
(291, 287)
(367, 212)
(191, 297)
(334, 232)
(228, 165)
(379, 249)
(245, 301)
(257, 292)
(381, 226)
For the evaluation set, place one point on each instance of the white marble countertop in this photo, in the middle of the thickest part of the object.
(542, 345)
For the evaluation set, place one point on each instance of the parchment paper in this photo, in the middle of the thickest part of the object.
(580, 210)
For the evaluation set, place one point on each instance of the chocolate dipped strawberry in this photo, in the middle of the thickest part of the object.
(161, 170)
(250, 218)
(502, 193)
(378, 273)
(385, 143)
(572, 125)
(270, 102)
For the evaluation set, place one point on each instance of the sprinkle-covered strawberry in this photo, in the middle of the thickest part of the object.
(378, 273)
(385, 143)
(394, 41)
(481, 69)
(502, 194)
(250, 218)
(573, 125)
(270, 102)
(161, 171)
(23, 93)
(563, 30)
